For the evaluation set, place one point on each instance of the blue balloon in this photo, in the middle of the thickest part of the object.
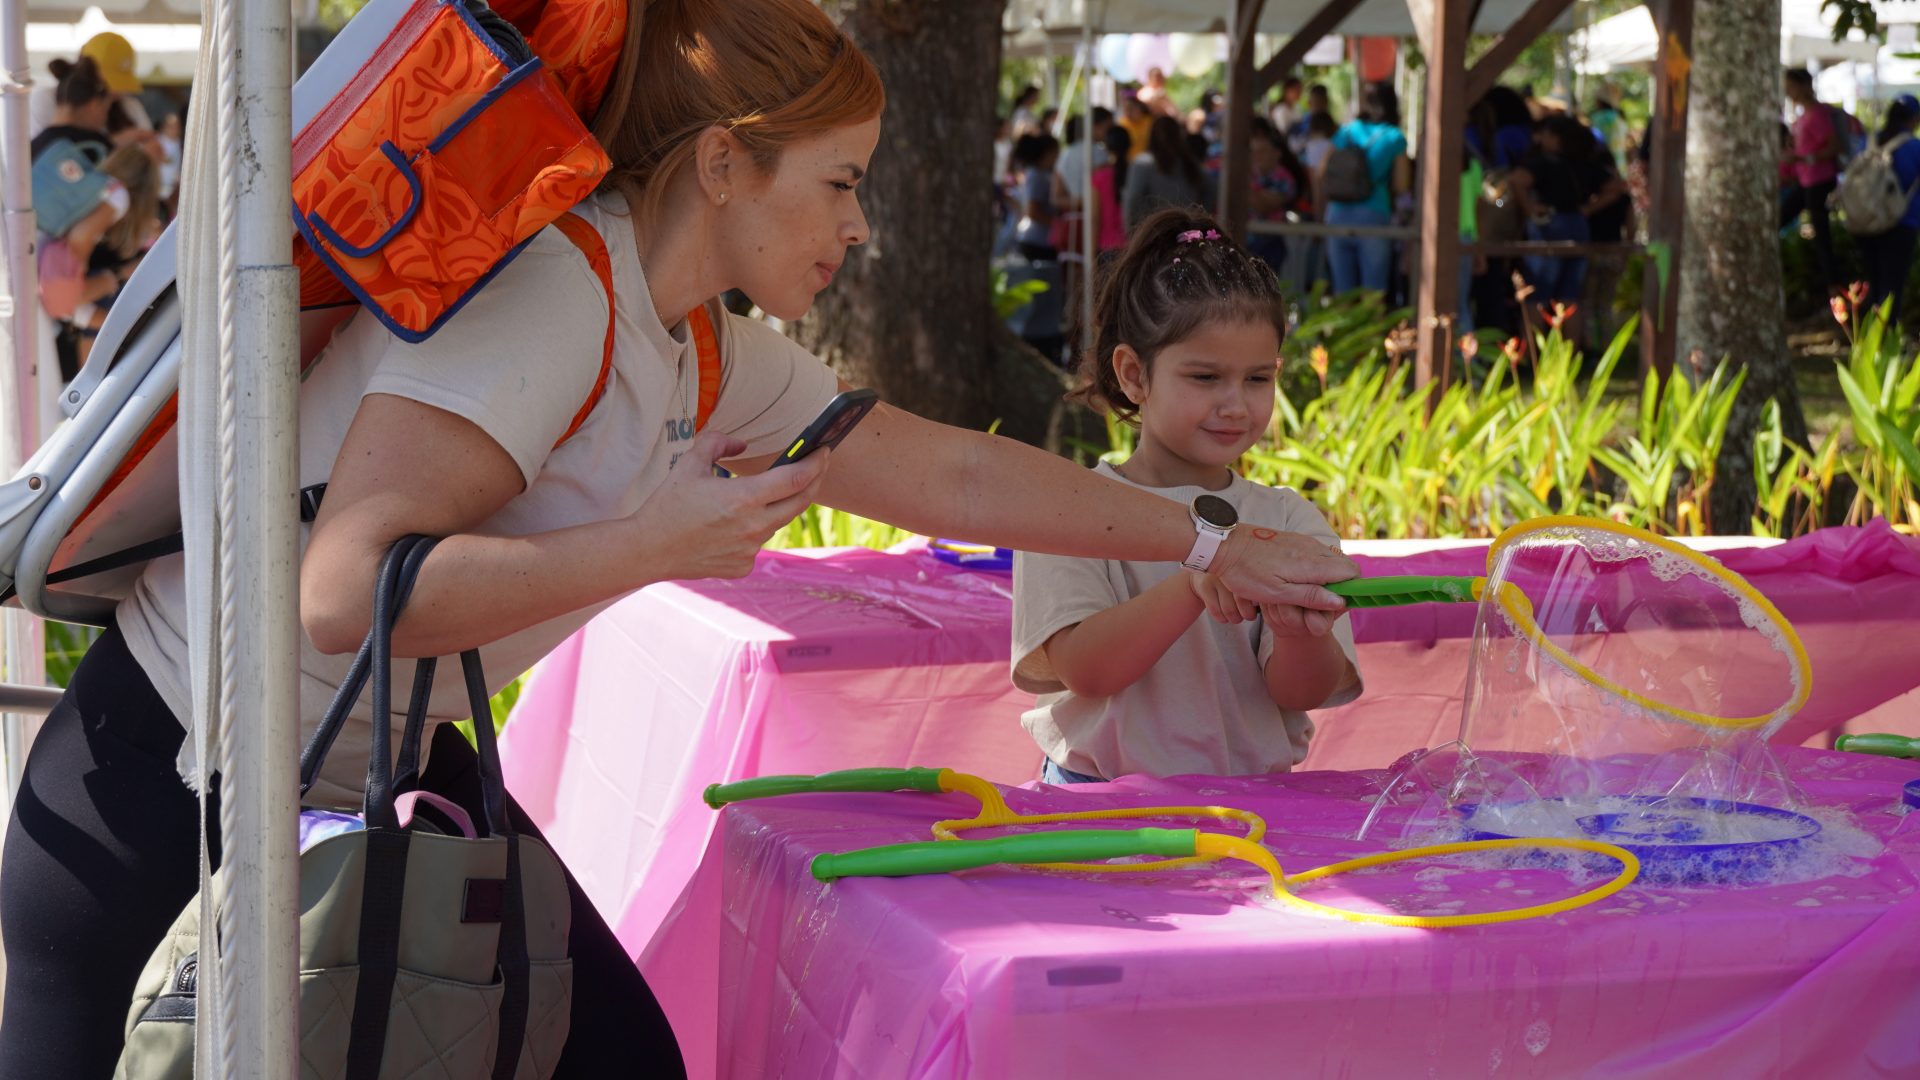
(1113, 57)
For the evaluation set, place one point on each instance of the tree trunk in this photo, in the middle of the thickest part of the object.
(910, 313)
(1731, 303)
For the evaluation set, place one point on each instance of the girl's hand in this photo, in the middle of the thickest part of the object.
(1220, 601)
(1289, 621)
(1269, 567)
(698, 525)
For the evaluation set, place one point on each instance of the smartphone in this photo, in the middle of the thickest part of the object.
(832, 425)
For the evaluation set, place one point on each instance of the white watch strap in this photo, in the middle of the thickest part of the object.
(1206, 544)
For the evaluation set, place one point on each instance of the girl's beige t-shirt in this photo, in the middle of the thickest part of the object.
(1204, 707)
(518, 361)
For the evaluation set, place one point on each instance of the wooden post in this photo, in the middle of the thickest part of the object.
(1530, 25)
(1666, 179)
(1324, 22)
(1235, 169)
(1442, 139)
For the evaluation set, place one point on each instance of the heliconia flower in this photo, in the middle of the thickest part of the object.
(1559, 314)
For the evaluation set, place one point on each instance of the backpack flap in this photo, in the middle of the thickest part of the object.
(413, 208)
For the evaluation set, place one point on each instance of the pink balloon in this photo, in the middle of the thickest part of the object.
(1149, 51)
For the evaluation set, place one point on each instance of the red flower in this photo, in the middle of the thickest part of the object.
(1469, 346)
(1514, 349)
(1838, 305)
(1559, 314)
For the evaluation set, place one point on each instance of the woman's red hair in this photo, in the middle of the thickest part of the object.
(768, 71)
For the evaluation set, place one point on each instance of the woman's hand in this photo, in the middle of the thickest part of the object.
(1220, 601)
(699, 525)
(1269, 567)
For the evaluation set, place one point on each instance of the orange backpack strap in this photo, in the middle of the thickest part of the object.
(706, 347)
(587, 239)
(706, 342)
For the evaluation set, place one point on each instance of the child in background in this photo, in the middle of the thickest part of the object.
(1132, 678)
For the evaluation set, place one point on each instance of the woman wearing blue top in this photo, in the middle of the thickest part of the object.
(1889, 255)
(1366, 261)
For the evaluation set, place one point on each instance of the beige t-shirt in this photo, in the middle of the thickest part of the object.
(1204, 707)
(518, 361)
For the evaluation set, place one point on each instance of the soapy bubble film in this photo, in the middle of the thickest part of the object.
(1557, 745)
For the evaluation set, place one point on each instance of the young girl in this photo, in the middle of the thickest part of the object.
(1132, 678)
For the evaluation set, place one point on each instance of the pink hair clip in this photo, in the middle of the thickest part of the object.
(1195, 235)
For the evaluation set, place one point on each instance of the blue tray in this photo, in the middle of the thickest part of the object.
(1679, 861)
(957, 553)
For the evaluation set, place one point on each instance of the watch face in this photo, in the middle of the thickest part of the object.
(1216, 511)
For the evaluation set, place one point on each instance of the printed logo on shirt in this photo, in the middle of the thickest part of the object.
(678, 431)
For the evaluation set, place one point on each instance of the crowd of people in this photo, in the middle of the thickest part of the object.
(1534, 169)
(105, 179)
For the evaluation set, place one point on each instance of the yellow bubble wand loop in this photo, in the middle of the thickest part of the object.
(1072, 849)
(1385, 591)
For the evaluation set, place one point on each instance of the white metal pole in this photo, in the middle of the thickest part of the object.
(256, 492)
(1090, 208)
(23, 659)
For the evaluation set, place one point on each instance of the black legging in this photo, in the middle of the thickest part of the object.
(102, 854)
(1813, 200)
(1889, 256)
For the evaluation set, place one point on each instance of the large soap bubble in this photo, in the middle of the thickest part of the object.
(1621, 688)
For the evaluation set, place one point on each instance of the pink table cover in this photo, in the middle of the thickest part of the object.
(815, 660)
(831, 659)
(1007, 973)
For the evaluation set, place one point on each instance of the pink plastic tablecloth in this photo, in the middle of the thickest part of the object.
(832, 659)
(815, 660)
(1011, 973)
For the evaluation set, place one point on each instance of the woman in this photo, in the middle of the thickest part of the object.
(1366, 262)
(738, 131)
(81, 103)
(1889, 255)
(1561, 186)
(1168, 174)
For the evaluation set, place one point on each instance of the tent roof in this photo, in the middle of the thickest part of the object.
(1063, 18)
(120, 11)
(1628, 39)
(164, 53)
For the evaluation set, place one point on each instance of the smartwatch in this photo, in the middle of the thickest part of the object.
(1213, 518)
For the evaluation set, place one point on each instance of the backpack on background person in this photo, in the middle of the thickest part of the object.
(1870, 195)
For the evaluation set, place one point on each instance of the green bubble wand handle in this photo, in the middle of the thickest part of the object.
(1365, 592)
(946, 856)
(1885, 745)
(761, 787)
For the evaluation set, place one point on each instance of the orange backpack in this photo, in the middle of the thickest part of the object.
(439, 137)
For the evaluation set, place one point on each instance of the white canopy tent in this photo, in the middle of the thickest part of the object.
(164, 52)
(1628, 40)
(1065, 19)
(1893, 70)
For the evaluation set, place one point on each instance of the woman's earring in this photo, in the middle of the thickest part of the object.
(723, 197)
